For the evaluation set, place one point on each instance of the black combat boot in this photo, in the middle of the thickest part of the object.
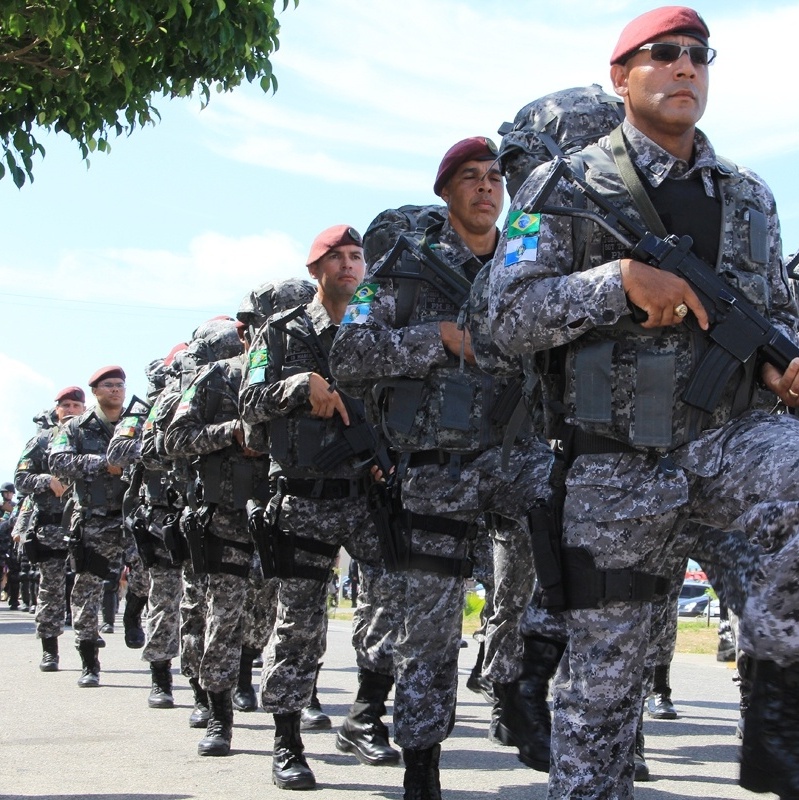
(12, 588)
(659, 703)
(496, 713)
(201, 712)
(109, 610)
(743, 677)
(244, 698)
(421, 780)
(525, 721)
(90, 677)
(161, 692)
(476, 682)
(363, 733)
(49, 662)
(313, 718)
(220, 726)
(131, 619)
(641, 772)
(770, 749)
(290, 770)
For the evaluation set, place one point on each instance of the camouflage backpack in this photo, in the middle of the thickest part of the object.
(386, 227)
(272, 297)
(557, 124)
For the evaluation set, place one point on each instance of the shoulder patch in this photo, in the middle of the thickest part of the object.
(521, 248)
(258, 358)
(24, 464)
(360, 305)
(520, 223)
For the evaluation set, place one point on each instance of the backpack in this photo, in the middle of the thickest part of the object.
(556, 124)
(386, 227)
(273, 297)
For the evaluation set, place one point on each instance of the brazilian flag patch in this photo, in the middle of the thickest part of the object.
(358, 310)
(520, 223)
(259, 358)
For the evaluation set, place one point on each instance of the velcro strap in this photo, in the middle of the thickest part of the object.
(316, 547)
(588, 587)
(451, 567)
(47, 553)
(446, 525)
(324, 488)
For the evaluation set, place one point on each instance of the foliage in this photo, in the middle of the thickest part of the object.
(89, 67)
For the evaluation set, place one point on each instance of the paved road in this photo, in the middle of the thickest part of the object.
(58, 741)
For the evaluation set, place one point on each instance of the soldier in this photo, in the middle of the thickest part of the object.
(207, 424)
(45, 542)
(77, 455)
(642, 460)
(9, 563)
(320, 479)
(401, 343)
(152, 508)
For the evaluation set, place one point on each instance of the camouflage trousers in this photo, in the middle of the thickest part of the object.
(260, 608)
(163, 615)
(193, 610)
(376, 618)
(298, 640)
(428, 639)
(104, 536)
(138, 577)
(51, 603)
(219, 665)
(630, 514)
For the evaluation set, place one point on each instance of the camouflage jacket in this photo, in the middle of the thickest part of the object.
(276, 390)
(203, 426)
(77, 455)
(424, 397)
(32, 476)
(557, 284)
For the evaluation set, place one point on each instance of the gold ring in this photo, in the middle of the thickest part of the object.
(792, 393)
(680, 310)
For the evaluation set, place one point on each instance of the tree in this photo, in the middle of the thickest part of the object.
(89, 67)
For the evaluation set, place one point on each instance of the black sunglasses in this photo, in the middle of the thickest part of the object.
(669, 52)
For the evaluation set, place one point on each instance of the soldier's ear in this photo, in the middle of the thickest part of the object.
(618, 77)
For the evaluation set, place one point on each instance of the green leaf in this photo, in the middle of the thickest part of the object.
(186, 8)
(221, 5)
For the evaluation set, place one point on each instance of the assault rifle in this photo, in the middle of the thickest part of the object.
(424, 265)
(737, 329)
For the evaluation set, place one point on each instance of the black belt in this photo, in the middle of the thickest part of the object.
(323, 488)
(442, 458)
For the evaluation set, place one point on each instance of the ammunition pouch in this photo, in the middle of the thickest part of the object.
(588, 587)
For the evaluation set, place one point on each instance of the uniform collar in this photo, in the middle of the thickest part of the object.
(655, 164)
(318, 315)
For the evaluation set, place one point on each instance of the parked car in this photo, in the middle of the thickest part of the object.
(694, 600)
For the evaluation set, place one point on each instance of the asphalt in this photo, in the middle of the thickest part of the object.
(58, 741)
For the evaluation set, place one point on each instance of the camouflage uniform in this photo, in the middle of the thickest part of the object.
(454, 471)
(158, 503)
(275, 391)
(627, 508)
(47, 542)
(203, 425)
(77, 455)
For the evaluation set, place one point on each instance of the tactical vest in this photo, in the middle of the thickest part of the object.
(456, 407)
(228, 477)
(298, 439)
(34, 461)
(101, 493)
(626, 382)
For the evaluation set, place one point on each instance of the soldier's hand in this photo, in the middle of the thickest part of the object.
(784, 384)
(453, 339)
(659, 294)
(325, 400)
(114, 470)
(56, 487)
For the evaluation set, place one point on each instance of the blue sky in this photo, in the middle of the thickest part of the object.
(117, 263)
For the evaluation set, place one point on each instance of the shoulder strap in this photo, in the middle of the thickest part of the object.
(633, 183)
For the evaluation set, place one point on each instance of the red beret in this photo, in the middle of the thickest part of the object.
(71, 393)
(476, 148)
(170, 356)
(336, 236)
(658, 22)
(106, 372)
